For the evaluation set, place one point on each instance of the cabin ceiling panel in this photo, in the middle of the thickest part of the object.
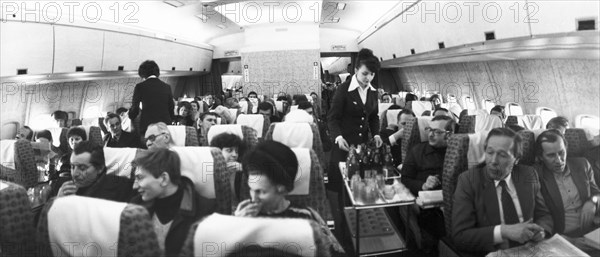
(561, 16)
(357, 16)
(77, 47)
(25, 46)
(121, 50)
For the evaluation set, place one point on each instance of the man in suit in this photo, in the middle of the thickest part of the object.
(498, 204)
(156, 98)
(117, 137)
(567, 185)
(393, 137)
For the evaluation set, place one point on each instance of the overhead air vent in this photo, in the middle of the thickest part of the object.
(79, 68)
(281, 29)
(21, 71)
(412, 51)
(587, 24)
(441, 45)
(490, 35)
(121, 68)
(172, 68)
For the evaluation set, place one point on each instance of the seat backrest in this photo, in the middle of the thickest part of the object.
(16, 221)
(248, 134)
(466, 123)
(529, 122)
(468, 102)
(9, 130)
(455, 162)
(414, 133)
(316, 143)
(389, 117)
(418, 107)
(25, 171)
(248, 236)
(383, 107)
(184, 135)
(546, 114)
(119, 161)
(578, 142)
(513, 109)
(258, 122)
(119, 229)
(207, 169)
(94, 134)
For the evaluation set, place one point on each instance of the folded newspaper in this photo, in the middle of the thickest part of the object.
(554, 246)
(428, 199)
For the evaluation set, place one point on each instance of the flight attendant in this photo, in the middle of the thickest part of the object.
(353, 117)
(156, 98)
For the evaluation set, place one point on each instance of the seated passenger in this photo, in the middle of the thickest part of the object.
(394, 137)
(253, 102)
(271, 168)
(559, 123)
(233, 149)
(158, 136)
(422, 169)
(436, 102)
(170, 198)
(266, 109)
(184, 117)
(117, 137)
(498, 110)
(60, 117)
(125, 121)
(195, 113)
(386, 98)
(88, 171)
(207, 120)
(567, 185)
(75, 135)
(25, 133)
(441, 112)
(498, 204)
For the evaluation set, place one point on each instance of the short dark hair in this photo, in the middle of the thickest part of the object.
(111, 115)
(185, 104)
(406, 111)
(121, 110)
(500, 109)
(60, 115)
(299, 98)
(77, 131)
(30, 135)
(440, 109)
(435, 96)
(265, 106)
(44, 134)
(274, 160)
(95, 150)
(506, 132)
(229, 140)
(384, 94)
(252, 93)
(304, 105)
(365, 57)
(410, 97)
(557, 121)
(548, 136)
(161, 160)
(449, 125)
(203, 115)
(148, 68)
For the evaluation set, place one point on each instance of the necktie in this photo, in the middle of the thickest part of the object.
(508, 206)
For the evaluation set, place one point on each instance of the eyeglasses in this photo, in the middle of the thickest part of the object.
(437, 132)
(151, 138)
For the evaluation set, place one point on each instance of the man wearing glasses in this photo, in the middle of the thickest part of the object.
(422, 171)
(158, 136)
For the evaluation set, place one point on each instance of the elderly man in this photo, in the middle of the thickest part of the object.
(88, 171)
(117, 137)
(498, 204)
(567, 185)
(158, 136)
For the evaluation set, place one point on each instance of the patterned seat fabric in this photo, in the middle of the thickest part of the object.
(317, 144)
(578, 143)
(16, 221)
(96, 135)
(250, 136)
(191, 136)
(455, 163)
(25, 172)
(528, 139)
(512, 120)
(466, 124)
(316, 198)
(136, 233)
(223, 190)
(410, 136)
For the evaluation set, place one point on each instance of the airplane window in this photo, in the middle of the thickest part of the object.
(514, 109)
(590, 122)
(488, 105)
(546, 114)
(469, 103)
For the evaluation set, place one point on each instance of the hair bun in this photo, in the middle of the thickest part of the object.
(365, 53)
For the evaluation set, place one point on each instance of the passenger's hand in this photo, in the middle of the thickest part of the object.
(378, 141)
(520, 232)
(588, 211)
(431, 183)
(236, 166)
(342, 144)
(539, 236)
(398, 134)
(67, 188)
(247, 209)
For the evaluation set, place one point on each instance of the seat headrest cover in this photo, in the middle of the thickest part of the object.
(302, 182)
(255, 121)
(475, 153)
(221, 235)
(7, 153)
(197, 163)
(293, 134)
(178, 134)
(119, 161)
(392, 116)
(80, 225)
(299, 116)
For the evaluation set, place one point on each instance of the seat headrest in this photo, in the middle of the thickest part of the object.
(7, 152)
(383, 107)
(298, 116)
(423, 122)
(235, 129)
(119, 161)
(293, 134)
(178, 134)
(217, 230)
(302, 181)
(197, 164)
(255, 121)
(486, 122)
(476, 152)
(418, 107)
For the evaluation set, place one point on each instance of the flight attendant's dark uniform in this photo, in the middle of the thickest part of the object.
(352, 119)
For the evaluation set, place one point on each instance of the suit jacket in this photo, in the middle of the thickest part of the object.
(125, 140)
(352, 119)
(581, 173)
(475, 209)
(157, 100)
(109, 187)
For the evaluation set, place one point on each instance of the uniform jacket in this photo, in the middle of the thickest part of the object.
(157, 100)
